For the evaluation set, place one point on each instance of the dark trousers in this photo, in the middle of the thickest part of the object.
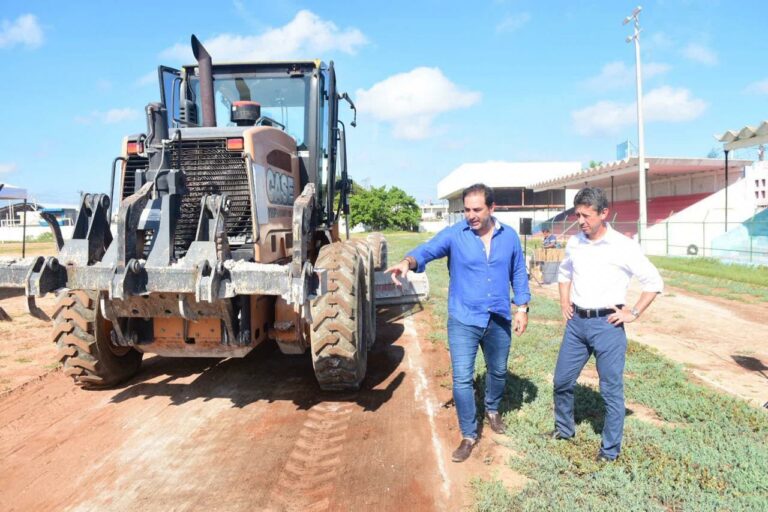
(582, 338)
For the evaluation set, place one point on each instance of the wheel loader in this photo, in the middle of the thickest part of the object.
(225, 233)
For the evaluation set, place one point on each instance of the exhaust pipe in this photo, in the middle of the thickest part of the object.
(204, 67)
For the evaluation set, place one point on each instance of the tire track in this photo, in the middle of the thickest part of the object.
(308, 479)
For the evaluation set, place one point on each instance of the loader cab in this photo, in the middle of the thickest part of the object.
(298, 97)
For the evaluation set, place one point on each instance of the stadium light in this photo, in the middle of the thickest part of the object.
(643, 220)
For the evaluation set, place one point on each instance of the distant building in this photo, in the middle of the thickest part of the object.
(432, 212)
(434, 216)
(511, 182)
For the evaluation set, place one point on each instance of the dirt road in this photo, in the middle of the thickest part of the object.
(257, 434)
(247, 434)
(723, 343)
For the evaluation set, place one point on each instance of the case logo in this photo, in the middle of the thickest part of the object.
(279, 188)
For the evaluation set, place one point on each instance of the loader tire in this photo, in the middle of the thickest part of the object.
(370, 294)
(86, 352)
(339, 351)
(378, 246)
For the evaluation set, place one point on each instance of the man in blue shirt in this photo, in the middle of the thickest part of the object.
(484, 258)
(550, 240)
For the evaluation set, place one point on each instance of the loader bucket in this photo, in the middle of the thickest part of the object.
(414, 289)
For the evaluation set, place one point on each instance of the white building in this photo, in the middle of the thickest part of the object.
(511, 183)
(434, 216)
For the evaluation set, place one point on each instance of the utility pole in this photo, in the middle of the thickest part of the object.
(643, 220)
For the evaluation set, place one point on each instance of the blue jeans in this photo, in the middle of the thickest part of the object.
(463, 340)
(584, 337)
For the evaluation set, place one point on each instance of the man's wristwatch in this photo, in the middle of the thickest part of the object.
(634, 312)
(522, 309)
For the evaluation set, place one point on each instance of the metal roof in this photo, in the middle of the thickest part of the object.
(8, 191)
(625, 171)
(501, 174)
(746, 137)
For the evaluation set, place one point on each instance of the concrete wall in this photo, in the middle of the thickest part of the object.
(427, 226)
(747, 243)
(699, 224)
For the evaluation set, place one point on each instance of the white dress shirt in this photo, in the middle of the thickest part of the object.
(599, 271)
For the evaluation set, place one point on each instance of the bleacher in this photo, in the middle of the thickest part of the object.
(623, 215)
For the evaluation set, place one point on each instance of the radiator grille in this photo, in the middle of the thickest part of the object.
(134, 163)
(209, 169)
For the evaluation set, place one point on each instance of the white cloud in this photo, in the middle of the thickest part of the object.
(305, 36)
(118, 115)
(410, 101)
(617, 74)
(112, 116)
(6, 168)
(672, 105)
(24, 30)
(148, 79)
(664, 104)
(760, 87)
(513, 22)
(103, 85)
(700, 53)
(658, 40)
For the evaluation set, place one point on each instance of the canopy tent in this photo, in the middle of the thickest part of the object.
(11, 192)
(748, 136)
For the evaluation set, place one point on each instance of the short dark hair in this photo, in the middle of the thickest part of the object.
(591, 196)
(479, 188)
(545, 229)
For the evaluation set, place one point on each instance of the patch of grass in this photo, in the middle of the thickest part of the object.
(42, 237)
(714, 287)
(491, 495)
(23, 360)
(14, 248)
(710, 267)
(711, 453)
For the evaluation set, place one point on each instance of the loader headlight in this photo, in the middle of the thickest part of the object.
(135, 148)
(235, 144)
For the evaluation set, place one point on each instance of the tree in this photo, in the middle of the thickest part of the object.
(713, 153)
(380, 208)
(595, 163)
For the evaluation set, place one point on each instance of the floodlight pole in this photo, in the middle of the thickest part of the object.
(643, 220)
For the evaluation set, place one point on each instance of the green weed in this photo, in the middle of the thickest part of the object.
(710, 267)
(709, 453)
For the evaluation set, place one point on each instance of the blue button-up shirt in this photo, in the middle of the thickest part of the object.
(479, 284)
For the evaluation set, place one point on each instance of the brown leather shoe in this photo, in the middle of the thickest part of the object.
(494, 420)
(464, 450)
(603, 458)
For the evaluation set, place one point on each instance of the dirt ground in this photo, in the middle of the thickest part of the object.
(238, 434)
(257, 434)
(723, 343)
(25, 353)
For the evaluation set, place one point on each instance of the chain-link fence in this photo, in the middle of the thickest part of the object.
(744, 242)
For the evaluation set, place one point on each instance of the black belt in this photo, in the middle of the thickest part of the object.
(595, 313)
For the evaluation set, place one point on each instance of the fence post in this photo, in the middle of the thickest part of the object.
(703, 238)
(666, 238)
(750, 247)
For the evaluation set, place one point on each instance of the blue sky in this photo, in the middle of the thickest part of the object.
(437, 83)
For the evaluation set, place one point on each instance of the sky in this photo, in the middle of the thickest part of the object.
(437, 83)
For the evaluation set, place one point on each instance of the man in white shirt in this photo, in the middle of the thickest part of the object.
(593, 280)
